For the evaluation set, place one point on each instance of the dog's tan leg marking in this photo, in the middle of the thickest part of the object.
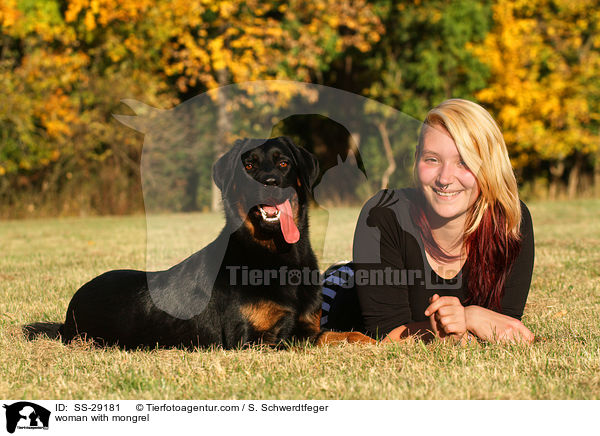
(351, 337)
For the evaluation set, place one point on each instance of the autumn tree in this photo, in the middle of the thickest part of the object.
(63, 82)
(544, 59)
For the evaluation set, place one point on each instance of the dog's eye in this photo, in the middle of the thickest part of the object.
(283, 164)
(248, 166)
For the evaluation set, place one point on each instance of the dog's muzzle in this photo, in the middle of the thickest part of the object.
(282, 213)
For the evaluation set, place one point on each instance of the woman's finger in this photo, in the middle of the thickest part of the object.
(448, 319)
(449, 310)
(524, 334)
(433, 298)
(432, 321)
(455, 328)
(440, 302)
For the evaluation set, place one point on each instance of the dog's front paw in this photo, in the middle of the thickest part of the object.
(350, 337)
(359, 337)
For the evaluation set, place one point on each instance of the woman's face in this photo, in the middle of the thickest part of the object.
(448, 185)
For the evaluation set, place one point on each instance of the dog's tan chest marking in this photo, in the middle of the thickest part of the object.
(264, 315)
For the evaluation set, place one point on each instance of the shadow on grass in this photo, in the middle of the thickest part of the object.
(35, 330)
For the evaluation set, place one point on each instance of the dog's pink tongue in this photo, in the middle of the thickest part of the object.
(288, 226)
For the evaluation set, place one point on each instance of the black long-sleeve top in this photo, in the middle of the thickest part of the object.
(393, 278)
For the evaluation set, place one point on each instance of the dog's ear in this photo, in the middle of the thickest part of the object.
(304, 160)
(224, 167)
(311, 164)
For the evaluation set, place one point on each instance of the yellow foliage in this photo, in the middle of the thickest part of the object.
(90, 21)
(9, 13)
(540, 68)
(249, 45)
(103, 12)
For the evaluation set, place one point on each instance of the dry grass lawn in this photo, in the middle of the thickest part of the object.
(45, 261)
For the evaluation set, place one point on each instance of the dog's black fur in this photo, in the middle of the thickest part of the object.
(120, 308)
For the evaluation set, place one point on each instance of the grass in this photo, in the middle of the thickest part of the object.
(45, 261)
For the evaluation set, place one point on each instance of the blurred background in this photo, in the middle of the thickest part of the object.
(65, 66)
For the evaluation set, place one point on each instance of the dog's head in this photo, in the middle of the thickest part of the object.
(265, 185)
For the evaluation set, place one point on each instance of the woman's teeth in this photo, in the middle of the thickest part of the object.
(446, 194)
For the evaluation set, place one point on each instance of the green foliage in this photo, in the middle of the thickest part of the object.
(424, 57)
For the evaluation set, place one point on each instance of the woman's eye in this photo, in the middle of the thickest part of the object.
(283, 164)
(248, 166)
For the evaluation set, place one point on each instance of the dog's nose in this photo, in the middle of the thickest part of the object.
(271, 181)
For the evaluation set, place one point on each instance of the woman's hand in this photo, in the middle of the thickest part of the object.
(495, 327)
(447, 317)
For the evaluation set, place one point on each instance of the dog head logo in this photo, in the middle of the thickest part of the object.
(180, 145)
(26, 415)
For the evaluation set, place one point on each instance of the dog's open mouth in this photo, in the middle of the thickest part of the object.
(283, 214)
(269, 213)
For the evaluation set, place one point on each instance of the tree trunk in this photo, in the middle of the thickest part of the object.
(556, 171)
(385, 139)
(224, 128)
(597, 174)
(574, 176)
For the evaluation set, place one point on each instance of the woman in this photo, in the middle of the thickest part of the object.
(452, 258)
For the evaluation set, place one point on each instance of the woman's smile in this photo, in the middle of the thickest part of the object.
(446, 195)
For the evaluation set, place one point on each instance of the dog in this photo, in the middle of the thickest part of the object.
(206, 300)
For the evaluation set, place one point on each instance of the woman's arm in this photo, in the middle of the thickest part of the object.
(421, 329)
(446, 320)
(449, 318)
(483, 323)
(496, 327)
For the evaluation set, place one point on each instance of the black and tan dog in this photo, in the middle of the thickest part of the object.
(207, 299)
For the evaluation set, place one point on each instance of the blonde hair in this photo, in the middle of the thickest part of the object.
(481, 146)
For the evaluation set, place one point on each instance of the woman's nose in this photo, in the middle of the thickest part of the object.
(446, 174)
